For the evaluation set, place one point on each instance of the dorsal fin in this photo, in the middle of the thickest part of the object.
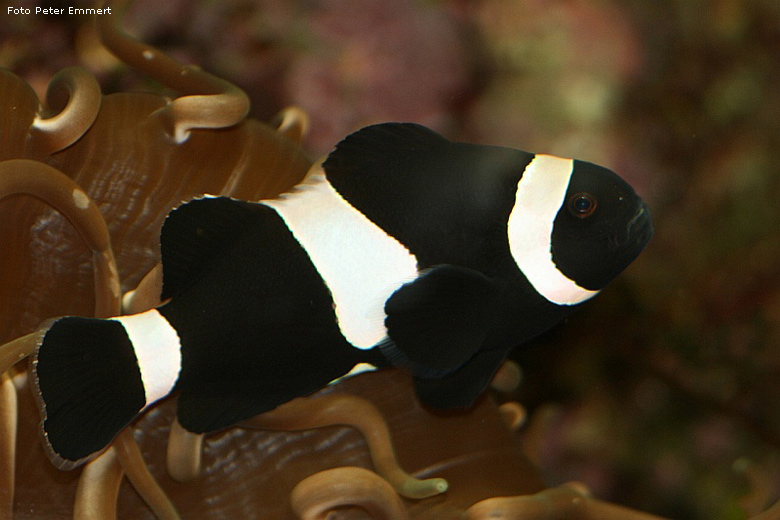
(194, 234)
(415, 184)
(387, 146)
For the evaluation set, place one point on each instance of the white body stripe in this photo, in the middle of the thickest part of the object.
(540, 195)
(360, 263)
(158, 350)
(360, 368)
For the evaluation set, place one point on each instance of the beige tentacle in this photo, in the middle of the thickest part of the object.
(24, 176)
(508, 377)
(773, 513)
(761, 486)
(292, 122)
(514, 415)
(184, 455)
(207, 101)
(570, 500)
(315, 497)
(147, 295)
(73, 97)
(98, 488)
(140, 477)
(8, 420)
(15, 351)
(10, 354)
(316, 412)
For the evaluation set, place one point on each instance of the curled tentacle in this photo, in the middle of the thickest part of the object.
(514, 415)
(207, 101)
(24, 176)
(761, 485)
(773, 513)
(8, 423)
(570, 500)
(203, 111)
(138, 473)
(292, 122)
(183, 457)
(350, 410)
(508, 377)
(74, 98)
(98, 488)
(315, 497)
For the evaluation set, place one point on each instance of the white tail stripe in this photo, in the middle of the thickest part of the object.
(360, 263)
(540, 195)
(158, 350)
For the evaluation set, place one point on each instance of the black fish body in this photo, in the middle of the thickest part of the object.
(402, 248)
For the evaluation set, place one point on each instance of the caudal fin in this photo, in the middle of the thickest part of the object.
(89, 387)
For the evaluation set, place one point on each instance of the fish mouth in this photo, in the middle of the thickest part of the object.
(639, 213)
(637, 232)
(639, 229)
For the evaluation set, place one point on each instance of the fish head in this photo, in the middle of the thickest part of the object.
(574, 227)
(601, 227)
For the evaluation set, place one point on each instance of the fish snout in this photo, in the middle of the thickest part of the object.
(640, 227)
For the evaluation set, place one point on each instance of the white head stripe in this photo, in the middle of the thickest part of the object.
(360, 263)
(158, 350)
(540, 194)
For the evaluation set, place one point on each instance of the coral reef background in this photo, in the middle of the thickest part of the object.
(664, 392)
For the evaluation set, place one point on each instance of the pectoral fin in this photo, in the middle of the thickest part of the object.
(436, 323)
(461, 388)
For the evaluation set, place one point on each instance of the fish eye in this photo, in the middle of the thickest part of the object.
(582, 204)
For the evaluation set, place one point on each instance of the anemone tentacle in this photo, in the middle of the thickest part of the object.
(98, 488)
(8, 423)
(315, 497)
(74, 94)
(207, 101)
(28, 177)
(184, 454)
(138, 473)
(351, 410)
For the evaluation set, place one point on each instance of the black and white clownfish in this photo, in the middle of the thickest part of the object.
(402, 248)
